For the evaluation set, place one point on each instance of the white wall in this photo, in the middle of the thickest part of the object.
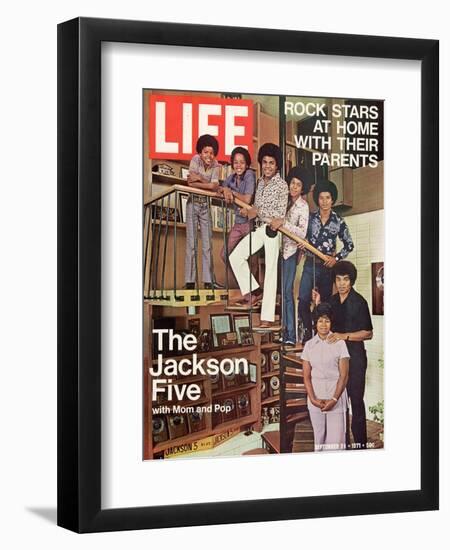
(28, 229)
(367, 231)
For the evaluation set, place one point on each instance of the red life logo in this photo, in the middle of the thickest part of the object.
(176, 122)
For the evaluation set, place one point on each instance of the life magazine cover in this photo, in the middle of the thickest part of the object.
(263, 298)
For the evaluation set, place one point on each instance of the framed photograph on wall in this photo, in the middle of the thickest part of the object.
(220, 323)
(242, 327)
(226, 339)
(378, 288)
(121, 271)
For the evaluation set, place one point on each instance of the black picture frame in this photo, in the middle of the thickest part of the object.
(183, 198)
(226, 339)
(238, 327)
(377, 273)
(79, 274)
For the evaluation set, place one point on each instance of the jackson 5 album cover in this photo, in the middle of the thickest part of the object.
(263, 245)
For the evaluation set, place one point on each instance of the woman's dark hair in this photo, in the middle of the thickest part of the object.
(345, 267)
(242, 151)
(325, 186)
(303, 175)
(270, 150)
(206, 140)
(323, 310)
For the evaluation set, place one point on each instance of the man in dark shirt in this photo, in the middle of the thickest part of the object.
(352, 323)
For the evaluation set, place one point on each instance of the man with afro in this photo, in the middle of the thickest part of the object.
(271, 200)
(324, 227)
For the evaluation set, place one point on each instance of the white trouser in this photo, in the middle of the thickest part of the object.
(329, 430)
(239, 263)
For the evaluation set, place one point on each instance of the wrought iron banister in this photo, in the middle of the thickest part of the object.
(183, 188)
(162, 221)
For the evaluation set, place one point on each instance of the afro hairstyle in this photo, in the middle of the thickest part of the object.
(325, 186)
(206, 140)
(303, 175)
(270, 150)
(344, 267)
(242, 151)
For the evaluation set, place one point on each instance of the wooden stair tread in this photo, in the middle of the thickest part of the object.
(272, 439)
(296, 373)
(300, 402)
(294, 386)
(303, 441)
(258, 451)
(294, 349)
(293, 358)
(297, 417)
(271, 399)
(303, 447)
(304, 426)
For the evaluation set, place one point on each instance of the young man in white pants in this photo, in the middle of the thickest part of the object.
(271, 200)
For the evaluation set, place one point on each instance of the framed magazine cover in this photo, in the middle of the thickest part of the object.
(220, 324)
(105, 480)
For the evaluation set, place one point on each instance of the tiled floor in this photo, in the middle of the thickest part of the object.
(237, 445)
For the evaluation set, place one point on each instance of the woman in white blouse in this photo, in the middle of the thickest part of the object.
(295, 221)
(325, 373)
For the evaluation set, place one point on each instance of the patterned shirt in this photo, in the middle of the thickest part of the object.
(210, 173)
(246, 186)
(271, 198)
(323, 237)
(296, 222)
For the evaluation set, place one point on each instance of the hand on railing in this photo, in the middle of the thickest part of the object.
(276, 223)
(251, 213)
(195, 180)
(227, 194)
(330, 262)
(246, 210)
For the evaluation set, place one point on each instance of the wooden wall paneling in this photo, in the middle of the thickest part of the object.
(368, 190)
(269, 129)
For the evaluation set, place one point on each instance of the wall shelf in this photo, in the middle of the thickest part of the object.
(270, 400)
(236, 389)
(270, 373)
(163, 178)
(227, 428)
